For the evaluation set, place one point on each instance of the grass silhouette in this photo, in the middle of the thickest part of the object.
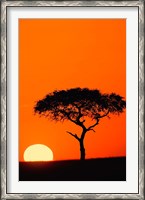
(100, 169)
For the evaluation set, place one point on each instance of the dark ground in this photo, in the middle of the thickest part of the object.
(104, 169)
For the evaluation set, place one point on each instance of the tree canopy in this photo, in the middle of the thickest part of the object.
(72, 104)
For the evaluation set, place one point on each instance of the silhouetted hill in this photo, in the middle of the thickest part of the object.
(103, 169)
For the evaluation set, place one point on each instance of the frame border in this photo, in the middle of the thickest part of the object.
(141, 8)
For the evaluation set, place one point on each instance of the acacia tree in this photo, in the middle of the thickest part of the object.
(76, 105)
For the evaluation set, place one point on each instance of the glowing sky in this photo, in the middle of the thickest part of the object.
(66, 53)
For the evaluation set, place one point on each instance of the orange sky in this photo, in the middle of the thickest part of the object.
(66, 53)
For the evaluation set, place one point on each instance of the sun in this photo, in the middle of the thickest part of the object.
(38, 152)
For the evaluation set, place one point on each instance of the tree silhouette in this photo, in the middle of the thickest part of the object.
(76, 105)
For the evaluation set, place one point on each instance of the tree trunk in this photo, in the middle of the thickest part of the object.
(82, 150)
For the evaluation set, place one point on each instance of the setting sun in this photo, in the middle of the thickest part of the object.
(38, 152)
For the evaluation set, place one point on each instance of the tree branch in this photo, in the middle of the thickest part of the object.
(104, 115)
(77, 121)
(68, 115)
(91, 127)
(79, 113)
(98, 117)
(74, 135)
(92, 130)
